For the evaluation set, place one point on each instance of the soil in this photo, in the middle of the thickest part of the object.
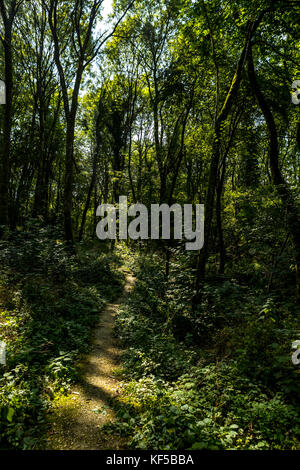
(77, 419)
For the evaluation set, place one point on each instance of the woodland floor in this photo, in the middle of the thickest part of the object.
(77, 419)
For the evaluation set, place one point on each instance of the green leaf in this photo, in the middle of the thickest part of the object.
(10, 414)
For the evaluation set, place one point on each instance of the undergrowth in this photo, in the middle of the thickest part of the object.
(50, 300)
(216, 377)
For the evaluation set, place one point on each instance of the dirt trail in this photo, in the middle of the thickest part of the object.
(77, 420)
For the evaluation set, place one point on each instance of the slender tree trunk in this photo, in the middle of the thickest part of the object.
(219, 220)
(97, 202)
(293, 219)
(129, 166)
(41, 189)
(213, 172)
(89, 195)
(5, 153)
(58, 192)
(68, 179)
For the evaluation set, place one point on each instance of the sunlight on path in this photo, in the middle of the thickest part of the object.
(77, 419)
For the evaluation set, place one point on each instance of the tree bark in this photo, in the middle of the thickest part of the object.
(213, 172)
(219, 219)
(293, 219)
(68, 179)
(5, 153)
(89, 195)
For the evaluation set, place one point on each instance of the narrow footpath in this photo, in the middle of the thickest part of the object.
(77, 420)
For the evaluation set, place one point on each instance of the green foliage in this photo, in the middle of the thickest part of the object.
(54, 301)
(211, 407)
(209, 387)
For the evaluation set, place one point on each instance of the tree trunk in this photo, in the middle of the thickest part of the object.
(5, 153)
(41, 188)
(219, 220)
(68, 181)
(283, 190)
(213, 172)
(89, 195)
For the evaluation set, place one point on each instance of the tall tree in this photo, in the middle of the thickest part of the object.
(293, 218)
(220, 119)
(8, 11)
(72, 25)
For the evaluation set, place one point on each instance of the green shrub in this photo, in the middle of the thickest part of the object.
(225, 381)
(54, 302)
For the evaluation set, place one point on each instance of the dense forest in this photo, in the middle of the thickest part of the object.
(164, 102)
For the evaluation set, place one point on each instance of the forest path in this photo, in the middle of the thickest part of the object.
(77, 419)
